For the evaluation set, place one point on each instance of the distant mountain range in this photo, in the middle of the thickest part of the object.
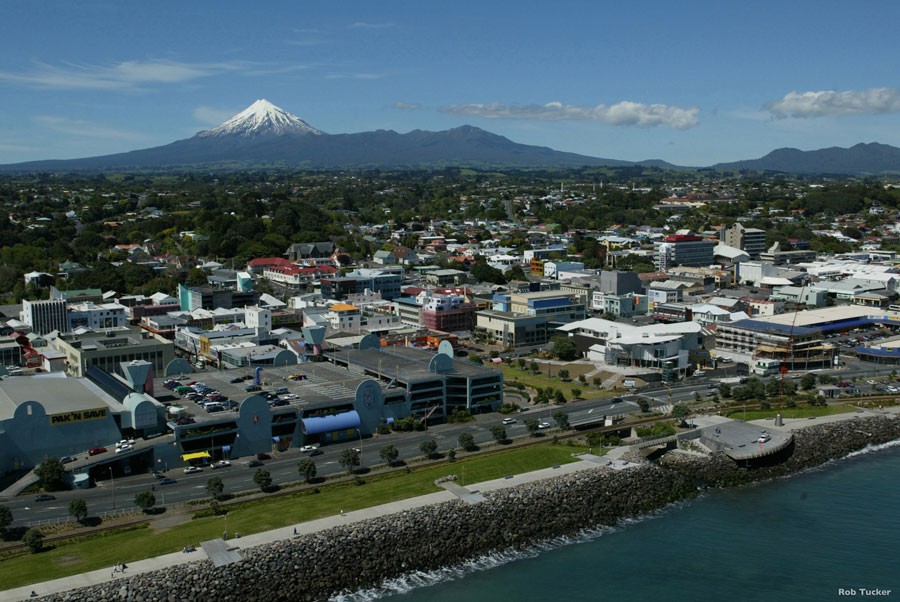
(264, 135)
(860, 159)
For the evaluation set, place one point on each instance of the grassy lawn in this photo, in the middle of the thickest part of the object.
(786, 412)
(106, 549)
(529, 378)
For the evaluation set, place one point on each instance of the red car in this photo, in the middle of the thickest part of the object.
(96, 450)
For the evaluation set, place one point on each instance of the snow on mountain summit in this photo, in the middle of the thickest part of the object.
(261, 118)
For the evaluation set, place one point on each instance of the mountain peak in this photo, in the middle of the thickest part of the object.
(259, 119)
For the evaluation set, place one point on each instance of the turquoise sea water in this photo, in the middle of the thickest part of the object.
(804, 538)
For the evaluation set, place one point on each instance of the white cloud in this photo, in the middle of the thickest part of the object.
(621, 113)
(828, 103)
(85, 129)
(407, 106)
(354, 76)
(16, 148)
(364, 25)
(127, 75)
(212, 115)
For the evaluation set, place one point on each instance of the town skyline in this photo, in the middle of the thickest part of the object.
(699, 86)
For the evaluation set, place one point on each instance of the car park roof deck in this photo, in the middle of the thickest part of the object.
(324, 384)
(406, 364)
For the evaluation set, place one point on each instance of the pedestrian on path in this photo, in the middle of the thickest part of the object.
(342, 512)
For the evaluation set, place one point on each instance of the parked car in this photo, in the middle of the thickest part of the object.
(121, 448)
(192, 469)
(221, 464)
(45, 497)
(166, 481)
(67, 459)
(508, 420)
(254, 464)
(96, 450)
(543, 425)
(305, 449)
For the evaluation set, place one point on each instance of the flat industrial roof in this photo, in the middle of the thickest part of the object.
(814, 317)
(56, 393)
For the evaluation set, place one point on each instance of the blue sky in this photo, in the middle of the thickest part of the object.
(693, 83)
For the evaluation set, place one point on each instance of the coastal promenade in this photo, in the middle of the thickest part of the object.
(458, 489)
(237, 544)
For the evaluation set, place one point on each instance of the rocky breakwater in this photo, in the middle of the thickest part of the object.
(812, 446)
(363, 554)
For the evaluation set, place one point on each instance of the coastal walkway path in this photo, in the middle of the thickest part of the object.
(229, 551)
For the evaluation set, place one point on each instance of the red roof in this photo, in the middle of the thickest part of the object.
(261, 262)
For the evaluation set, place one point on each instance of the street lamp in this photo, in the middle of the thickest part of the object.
(360, 448)
(113, 483)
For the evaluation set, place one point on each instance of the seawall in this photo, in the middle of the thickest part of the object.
(361, 555)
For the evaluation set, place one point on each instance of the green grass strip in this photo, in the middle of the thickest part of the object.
(105, 549)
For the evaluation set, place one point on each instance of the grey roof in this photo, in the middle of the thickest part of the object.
(56, 394)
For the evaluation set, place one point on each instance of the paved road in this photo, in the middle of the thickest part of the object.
(118, 494)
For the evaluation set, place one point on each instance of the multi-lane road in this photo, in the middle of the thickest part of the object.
(118, 494)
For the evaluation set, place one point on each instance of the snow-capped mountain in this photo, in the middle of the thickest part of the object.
(262, 118)
(265, 136)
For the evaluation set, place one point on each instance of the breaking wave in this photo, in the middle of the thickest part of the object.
(421, 579)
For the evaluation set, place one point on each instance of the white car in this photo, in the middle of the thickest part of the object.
(221, 464)
(192, 469)
(121, 448)
(508, 420)
(305, 449)
(544, 425)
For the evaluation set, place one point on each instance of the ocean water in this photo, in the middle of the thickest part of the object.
(820, 535)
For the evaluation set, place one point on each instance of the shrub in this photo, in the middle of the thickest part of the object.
(34, 539)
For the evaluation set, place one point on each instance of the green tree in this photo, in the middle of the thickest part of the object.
(498, 432)
(520, 362)
(307, 469)
(78, 509)
(215, 487)
(145, 500)
(562, 419)
(564, 349)
(51, 473)
(451, 454)
(725, 390)
(6, 517)
(563, 374)
(808, 381)
(428, 448)
(474, 358)
(262, 478)
(576, 393)
(34, 539)
(680, 411)
(533, 366)
(467, 441)
(389, 454)
(532, 425)
(559, 397)
(349, 459)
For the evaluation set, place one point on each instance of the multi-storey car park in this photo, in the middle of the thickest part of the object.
(200, 416)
